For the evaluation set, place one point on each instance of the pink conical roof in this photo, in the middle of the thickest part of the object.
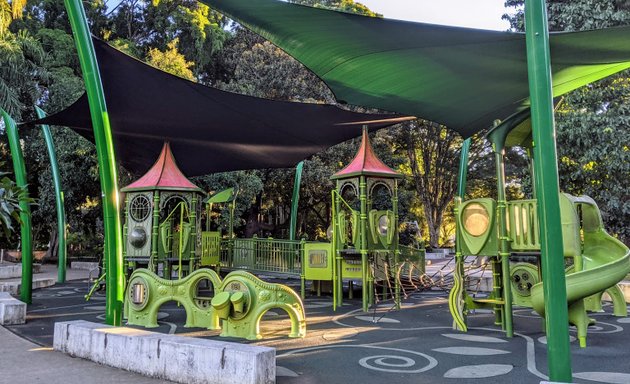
(366, 162)
(164, 174)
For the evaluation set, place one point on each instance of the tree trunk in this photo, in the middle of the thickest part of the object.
(53, 248)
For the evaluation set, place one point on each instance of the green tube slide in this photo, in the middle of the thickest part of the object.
(606, 261)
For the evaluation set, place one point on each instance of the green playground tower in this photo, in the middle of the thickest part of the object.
(365, 223)
(161, 229)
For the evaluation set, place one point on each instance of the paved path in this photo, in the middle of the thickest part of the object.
(23, 362)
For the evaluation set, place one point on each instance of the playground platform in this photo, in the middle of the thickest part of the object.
(411, 345)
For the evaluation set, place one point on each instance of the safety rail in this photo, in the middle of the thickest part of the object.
(263, 255)
(210, 248)
(413, 255)
(523, 225)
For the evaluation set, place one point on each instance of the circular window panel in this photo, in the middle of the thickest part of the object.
(476, 219)
(140, 208)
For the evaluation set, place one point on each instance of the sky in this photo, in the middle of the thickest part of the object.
(483, 14)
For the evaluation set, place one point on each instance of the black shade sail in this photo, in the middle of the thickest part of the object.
(209, 130)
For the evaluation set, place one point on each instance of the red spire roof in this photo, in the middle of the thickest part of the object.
(366, 162)
(164, 174)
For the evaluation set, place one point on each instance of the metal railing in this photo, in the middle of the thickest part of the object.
(263, 255)
(210, 248)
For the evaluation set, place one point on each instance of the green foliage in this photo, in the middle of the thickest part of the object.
(432, 162)
(171, 61)
(21, 71)
(10, 10)
(348, 6)
(10, 195)
(248, 184)
(263, 70)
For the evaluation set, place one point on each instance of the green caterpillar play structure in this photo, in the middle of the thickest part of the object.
(507, 232)
(236, 305)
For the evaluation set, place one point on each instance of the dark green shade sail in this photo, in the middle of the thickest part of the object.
(463, 78)
(209, 130)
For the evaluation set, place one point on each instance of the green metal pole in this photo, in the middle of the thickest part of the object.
(61, 212)
(19, 168)
(363, 247)
(463, 168)
(106, 161)
(547, 191)
(504, 254)
(457, 294)
(295, 199)
(193, 235)
(155, 228)
(336, 246)
(397, 247)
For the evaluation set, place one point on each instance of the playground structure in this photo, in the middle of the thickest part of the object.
(507, 232)
(161, 227)
(163, 233)
(236, 305)
(540, 96)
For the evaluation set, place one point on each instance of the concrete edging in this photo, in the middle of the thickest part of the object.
(84, 265)
(12, 311)
(171, 357)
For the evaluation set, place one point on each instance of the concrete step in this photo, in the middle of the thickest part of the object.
(13, 285)
(13, 270)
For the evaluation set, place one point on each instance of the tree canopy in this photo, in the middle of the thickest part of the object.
(39, 65)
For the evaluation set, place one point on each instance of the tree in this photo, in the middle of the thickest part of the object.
(9, 11)
(10, 195)
(171, 61)
(21, 70)
(432, 153)
(592, 122)
(348, 6)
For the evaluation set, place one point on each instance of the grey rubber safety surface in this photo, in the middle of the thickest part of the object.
(415, 344)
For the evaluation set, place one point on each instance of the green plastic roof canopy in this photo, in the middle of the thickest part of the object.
(460, 77)
(209, 130)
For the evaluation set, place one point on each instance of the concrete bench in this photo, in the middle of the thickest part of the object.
(171, 357)
(12, 311)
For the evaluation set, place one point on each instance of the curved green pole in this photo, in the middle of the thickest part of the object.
(61, 213)
(463, 168)
(457, 294)
(295, 200)
(547, 191)
(106, 161)
(26, 236)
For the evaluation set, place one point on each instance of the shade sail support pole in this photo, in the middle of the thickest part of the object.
(295, 199)
(463, 169)
(547, 191)
(26, 232)
(106, 161)
(61, 213)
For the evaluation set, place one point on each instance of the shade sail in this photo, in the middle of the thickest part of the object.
(463, 78)
(209, 130)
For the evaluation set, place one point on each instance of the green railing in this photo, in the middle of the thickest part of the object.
(262, 255)
(413, 255)
(210, 248)
(411, 263)
(523, 225)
